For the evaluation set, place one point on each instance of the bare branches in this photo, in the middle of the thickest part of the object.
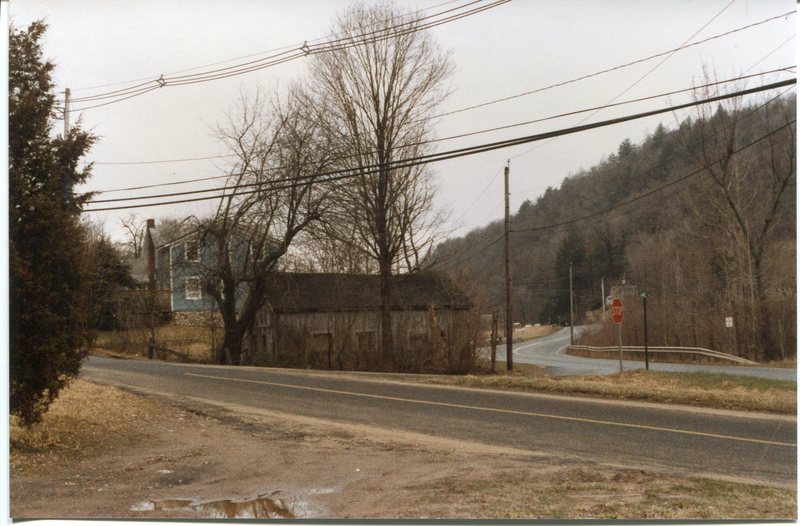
(378, 96)
(273, 139)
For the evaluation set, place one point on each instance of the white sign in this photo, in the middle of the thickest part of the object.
(729, 322)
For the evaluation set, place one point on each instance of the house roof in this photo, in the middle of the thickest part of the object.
(299, 292)
(163, 237)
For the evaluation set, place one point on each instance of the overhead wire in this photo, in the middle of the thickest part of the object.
(494, 240)
(666, 57)
(655, 190)
(273, 50)
(419, 143)
(559, 224)
(280, 58)
(615, 68)
(460, 152)
(526, 93)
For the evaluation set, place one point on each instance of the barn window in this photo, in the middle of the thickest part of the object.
(365, 340)
(193, 289)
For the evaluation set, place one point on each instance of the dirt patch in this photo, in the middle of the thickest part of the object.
(103, 452)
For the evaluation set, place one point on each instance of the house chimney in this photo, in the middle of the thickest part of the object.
(150, 248)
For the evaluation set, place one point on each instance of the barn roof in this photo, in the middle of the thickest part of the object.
(300, 292)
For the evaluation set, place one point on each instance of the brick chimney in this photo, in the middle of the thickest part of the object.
(150, 254)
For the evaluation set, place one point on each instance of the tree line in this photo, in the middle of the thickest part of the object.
(716, 245)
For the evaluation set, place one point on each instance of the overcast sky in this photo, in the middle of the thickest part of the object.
(513, 48)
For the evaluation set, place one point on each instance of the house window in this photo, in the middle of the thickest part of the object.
(193, 289)
(365, 340)
(319, 341)
(192, 249)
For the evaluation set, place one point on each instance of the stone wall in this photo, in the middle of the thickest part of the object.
(198, 318)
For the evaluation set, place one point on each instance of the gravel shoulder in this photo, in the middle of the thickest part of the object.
(107, 453)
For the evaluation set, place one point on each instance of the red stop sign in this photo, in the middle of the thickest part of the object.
(616, 310)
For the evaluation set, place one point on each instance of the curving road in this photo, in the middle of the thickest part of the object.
(549, 352)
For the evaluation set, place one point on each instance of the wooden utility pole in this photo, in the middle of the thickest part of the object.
(603, 293)
(67, 94)
(509, 314)
(494, 341)
(571, 314)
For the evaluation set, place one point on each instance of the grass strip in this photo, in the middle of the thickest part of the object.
(720, 391)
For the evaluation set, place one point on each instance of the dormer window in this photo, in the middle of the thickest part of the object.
(192, 251)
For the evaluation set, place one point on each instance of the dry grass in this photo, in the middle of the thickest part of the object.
(84, 419)
(195, 341)
(699, 389)
(529, 333)
(585, 493)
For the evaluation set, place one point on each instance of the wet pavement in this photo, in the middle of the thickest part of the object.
(266, 506)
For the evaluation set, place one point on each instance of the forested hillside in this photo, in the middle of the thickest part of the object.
(702, 216)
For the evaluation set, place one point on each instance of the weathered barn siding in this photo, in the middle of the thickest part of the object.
(332, 321)
(349, 340)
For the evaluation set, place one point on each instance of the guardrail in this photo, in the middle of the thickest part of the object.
(699, 351)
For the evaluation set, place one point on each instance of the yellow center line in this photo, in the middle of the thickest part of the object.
(505, 411)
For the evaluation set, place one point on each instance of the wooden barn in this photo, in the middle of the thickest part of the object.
(332, 321)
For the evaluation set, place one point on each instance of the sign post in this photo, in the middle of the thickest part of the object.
(645, 294)
(616, 315)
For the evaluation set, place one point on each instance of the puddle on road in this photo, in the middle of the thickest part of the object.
(261, 507)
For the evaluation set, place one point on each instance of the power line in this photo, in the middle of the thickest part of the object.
(469, 249)
(653, 191)
(273, 50)
(614, 68)
(511, 97)
(651, 70)
(461, 152)
(419, 143)
(491, 242)
(286, 56)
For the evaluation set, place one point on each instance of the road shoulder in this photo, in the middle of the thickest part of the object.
(192, 450)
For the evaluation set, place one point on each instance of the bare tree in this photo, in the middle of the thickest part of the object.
(745, 197)
(380, 93)
(271, 196)
(135, 229)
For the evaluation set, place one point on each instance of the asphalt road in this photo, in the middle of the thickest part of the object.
(675, 440)
(549, 352)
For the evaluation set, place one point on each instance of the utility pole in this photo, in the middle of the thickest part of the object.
(645, 294)
(67, 94)
(571, 314)
(509, 314)
(65, 176)
(494, 340)
(603, 293)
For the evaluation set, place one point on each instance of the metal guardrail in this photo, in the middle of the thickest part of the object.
(670, 350)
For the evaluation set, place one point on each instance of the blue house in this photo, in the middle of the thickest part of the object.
(175, 263)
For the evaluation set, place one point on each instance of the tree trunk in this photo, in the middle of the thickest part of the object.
(768, 349)
(387, 340)
(231, 348)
